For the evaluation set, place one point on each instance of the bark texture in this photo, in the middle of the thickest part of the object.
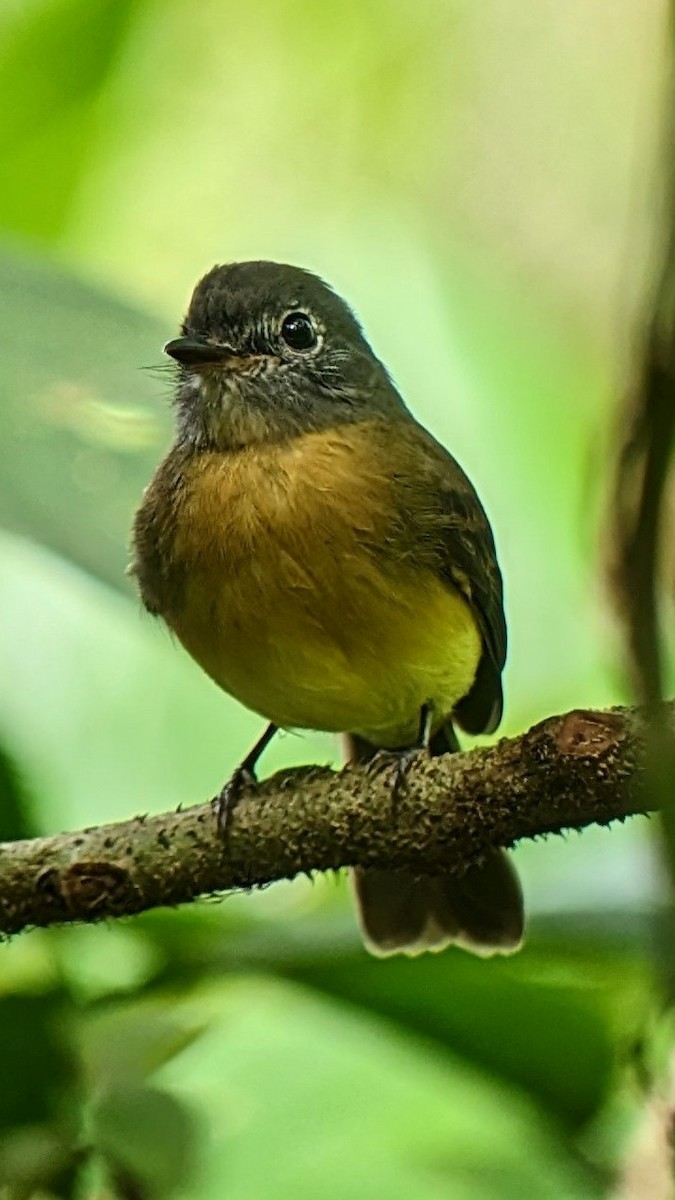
(566, 772)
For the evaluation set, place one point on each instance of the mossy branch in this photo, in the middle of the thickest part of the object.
(569, 771)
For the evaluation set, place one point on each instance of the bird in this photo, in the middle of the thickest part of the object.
(326, 561)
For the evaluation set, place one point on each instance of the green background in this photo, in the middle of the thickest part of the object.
(480, 181)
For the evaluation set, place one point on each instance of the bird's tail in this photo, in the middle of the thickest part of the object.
(401, 913)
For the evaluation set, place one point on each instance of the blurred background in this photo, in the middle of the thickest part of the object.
(481, 182)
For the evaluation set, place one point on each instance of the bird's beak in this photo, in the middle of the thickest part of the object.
(193, 351)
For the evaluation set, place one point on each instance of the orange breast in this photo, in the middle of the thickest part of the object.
(296, 601)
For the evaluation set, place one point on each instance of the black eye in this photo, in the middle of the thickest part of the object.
(298, 331)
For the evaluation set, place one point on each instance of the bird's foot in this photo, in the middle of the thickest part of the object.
(226, 801)
(395, 765)
(243, 777)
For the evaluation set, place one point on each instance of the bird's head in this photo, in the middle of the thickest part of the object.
(268, 351)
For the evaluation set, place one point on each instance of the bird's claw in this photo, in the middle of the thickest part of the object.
(226, 801)
(395, 765)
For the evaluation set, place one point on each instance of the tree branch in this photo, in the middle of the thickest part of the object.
(566, 772)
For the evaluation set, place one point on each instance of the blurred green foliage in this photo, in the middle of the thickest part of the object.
(476, 179)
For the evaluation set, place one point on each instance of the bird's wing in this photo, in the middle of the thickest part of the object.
(454, 537)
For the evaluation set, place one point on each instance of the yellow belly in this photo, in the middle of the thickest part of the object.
(361, 657)
(295, 602)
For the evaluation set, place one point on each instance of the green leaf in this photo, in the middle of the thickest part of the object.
(554, 1020)
(309, 1097)
(35, 1157)
(122, 1046)
(15, 802)
(146, 1133)
(83, 423)
(37, 1065)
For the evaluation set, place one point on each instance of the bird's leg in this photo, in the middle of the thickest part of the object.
(397, 763)
(243, 776)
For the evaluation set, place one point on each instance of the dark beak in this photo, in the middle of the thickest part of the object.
(192, 351)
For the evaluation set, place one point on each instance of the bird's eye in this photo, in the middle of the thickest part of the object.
(298, 331)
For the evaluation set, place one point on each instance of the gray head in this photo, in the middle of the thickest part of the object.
(269, 351)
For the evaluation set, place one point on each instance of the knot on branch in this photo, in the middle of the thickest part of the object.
(88, 888)
(585, 734)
